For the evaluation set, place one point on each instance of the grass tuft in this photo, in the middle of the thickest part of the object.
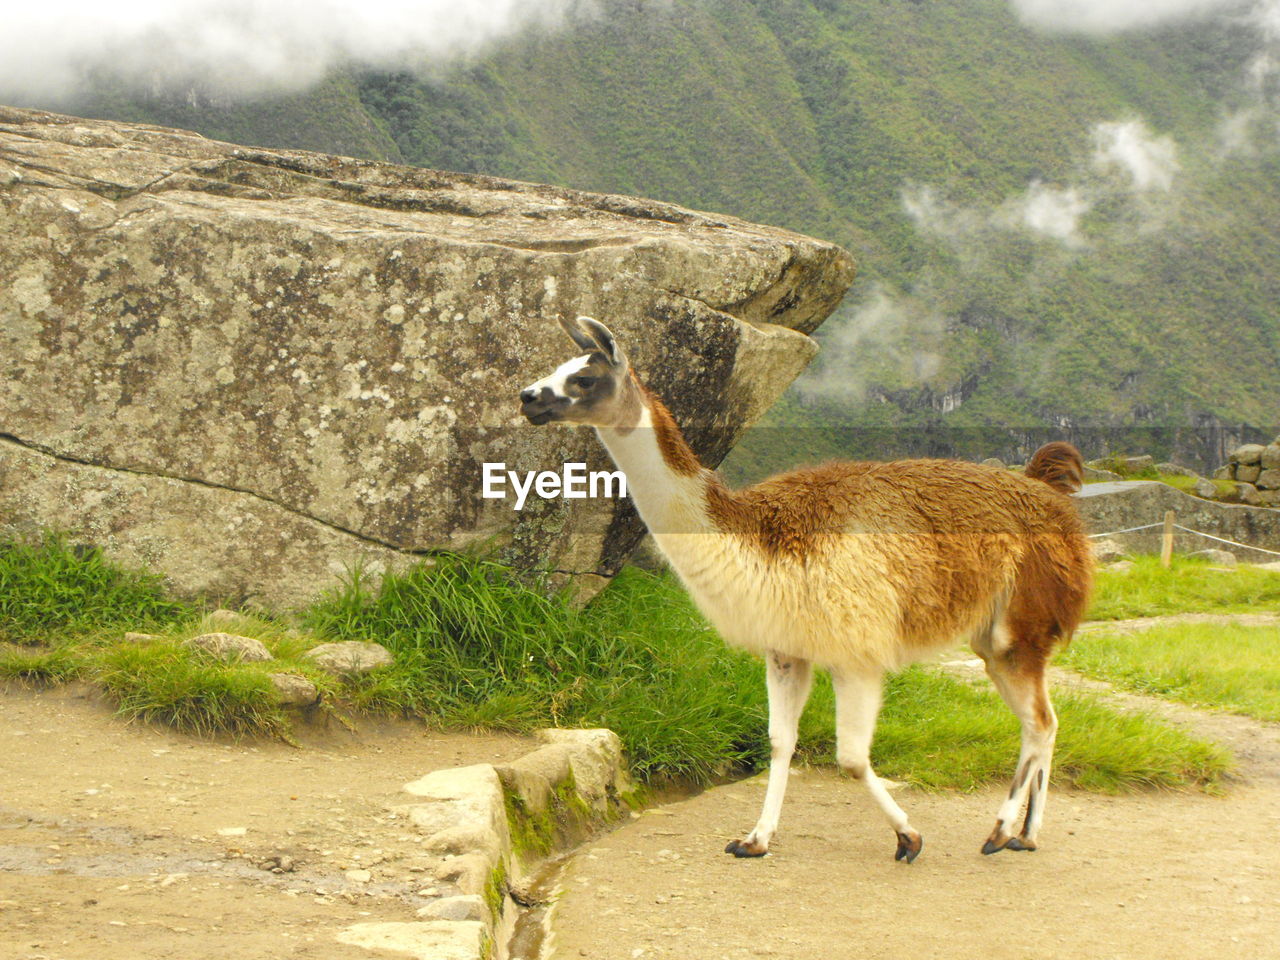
(642, 661)
(37, 667)
(51, 588)
(182, 688)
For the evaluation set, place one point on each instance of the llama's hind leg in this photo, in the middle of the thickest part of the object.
(1022, 683)
(858, 698)
(789, 680)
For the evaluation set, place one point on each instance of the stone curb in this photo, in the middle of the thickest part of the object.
(488, 826)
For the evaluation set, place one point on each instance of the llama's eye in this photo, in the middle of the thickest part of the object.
(585, 383)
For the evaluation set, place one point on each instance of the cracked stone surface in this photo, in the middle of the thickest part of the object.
(214, 352)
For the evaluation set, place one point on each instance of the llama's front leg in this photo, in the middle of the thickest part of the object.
(1026, 690)
(788, 680)
(858, 698)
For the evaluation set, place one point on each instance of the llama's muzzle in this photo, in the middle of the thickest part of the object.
(541, 405)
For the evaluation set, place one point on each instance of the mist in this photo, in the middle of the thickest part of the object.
(1112, 16)
(1149, 162)
(51, 52)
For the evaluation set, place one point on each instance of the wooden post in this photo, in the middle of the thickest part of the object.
(1166, 544)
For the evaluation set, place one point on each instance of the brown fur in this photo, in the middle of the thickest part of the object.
(968, 537)
(676, 452)
(962, 521)
(1059, 465)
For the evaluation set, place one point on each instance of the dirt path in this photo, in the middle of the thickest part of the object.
(1153, 875)
(124, 842)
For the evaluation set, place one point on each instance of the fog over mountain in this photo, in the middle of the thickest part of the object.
(49, 52)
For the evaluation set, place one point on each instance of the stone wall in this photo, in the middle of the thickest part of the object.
(1256, 470)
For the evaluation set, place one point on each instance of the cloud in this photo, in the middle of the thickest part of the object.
(1050, 212)
(1150, 162)
(1046, 211)
(894, 336)
(1112, 16)
(48, 51)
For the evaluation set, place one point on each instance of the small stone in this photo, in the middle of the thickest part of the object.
(1248, 454)
(358, 876)
(1104, 551)
(233, 831)
(132, 637)
(1225, 472)
(1205, 488)
(350, 657)
(1271, 456)
(1098, 475)
(994, 462)
(1174, 470)
(1248, 474)
(1224, 557)
(294, 691)
(1269, 479)
(470, 907)
(1138, 464)
(1248, 493)
(230, 647)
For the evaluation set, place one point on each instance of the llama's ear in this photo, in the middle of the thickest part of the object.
(578, 335)
(603, 339)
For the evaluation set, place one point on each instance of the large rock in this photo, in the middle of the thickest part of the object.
(252, 369)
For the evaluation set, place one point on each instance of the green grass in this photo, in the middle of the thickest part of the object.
(1187, 586)
(51, 588)
(940, 732)
(169, 684)
(476, 647)
(35, 666)
(1228, 666)
(1187, 484)
(64, 610)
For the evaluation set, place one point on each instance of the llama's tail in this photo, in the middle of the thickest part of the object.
(1059, 465)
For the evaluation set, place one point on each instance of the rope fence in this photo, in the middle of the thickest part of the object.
(1198, 533)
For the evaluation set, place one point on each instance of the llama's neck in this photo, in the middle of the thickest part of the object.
(664, 477)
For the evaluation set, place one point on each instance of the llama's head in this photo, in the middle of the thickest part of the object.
(593, 389)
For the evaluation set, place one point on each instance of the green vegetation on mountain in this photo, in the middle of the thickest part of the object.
(1147, 313)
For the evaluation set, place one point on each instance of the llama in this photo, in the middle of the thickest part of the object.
(859, 568)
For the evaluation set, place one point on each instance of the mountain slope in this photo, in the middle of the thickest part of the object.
(1012, 286)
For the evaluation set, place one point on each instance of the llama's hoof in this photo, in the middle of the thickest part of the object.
(746, 848)
(995, 845)
(1020, 843)
(909, 846)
